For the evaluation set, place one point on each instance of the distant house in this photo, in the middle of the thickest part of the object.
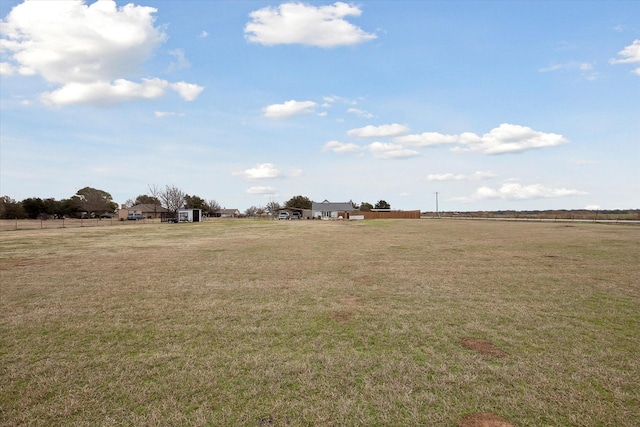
(330, 210)
(147, 210)
(228, 213)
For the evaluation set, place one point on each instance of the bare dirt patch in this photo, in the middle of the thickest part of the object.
(484, 347)
(484, 419)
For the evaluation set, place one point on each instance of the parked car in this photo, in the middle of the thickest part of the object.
(135, 216)
(283, 215)
(106, 215)
(296, 215)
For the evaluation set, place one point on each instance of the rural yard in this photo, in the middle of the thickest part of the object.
(273, 323)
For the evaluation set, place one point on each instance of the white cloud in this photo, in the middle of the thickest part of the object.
(630, 55)
(386, 150)
(427, 139)
(341, 147)
(506, 138)
(262, 191)
(360, 113)
(335, 98)
(180, 62)
(260, 171)
(187, 91)
(553, 67)
(87, 50)
(586, 69)
(476, 176)
(104, 92)
(299, 23)
(203, 34)
(6, 69)
(515, 191)
(288, 109)
(381, 131)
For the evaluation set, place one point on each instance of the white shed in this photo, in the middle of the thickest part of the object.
(189, 215)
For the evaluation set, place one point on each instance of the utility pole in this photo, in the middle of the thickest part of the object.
(437, 212)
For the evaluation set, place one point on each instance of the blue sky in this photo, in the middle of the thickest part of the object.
(494, 105)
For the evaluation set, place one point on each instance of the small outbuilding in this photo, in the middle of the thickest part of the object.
(189, 215)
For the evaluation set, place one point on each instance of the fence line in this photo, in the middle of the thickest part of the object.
(42, 224)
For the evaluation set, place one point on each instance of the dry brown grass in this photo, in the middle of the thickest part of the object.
(321, 323)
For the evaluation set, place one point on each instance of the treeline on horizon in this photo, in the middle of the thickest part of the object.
(93, 202)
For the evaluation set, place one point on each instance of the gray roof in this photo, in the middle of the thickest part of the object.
(328, 206)
(148, 207)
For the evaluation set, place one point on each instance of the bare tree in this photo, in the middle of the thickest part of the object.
(156, 195)
(214, 207)
(251, 211)
(172, 198)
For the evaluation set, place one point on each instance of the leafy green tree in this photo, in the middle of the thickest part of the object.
(145, 199)
(383, 205)
(96, 201)
(301, 202)
(366, 207)
(194, 202)
(34, 207)
(10, 209)
(51, 206)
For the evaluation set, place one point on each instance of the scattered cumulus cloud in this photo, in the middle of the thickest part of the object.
(289, 109)
(629, 55)
(388, 150)
(341, 147)
(360, 113)
(6, 69)
(585, 69)
(515, 191)
(476, 176)
(299, 23)
(188, 91)
(335, 98)
(260, 171)
(508, 138)
(88, 51)
(381, 131)
(203, 34)
(180, 60)
(427, 139)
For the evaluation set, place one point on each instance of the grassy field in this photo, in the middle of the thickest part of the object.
(267, 323)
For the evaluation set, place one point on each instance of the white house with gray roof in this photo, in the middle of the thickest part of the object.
(330, 210)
